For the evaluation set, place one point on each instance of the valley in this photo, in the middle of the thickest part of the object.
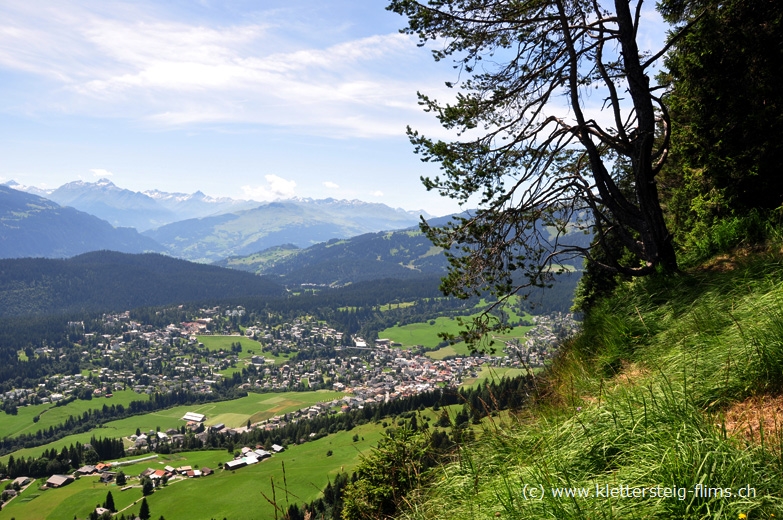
(322, 347)
(259, 375)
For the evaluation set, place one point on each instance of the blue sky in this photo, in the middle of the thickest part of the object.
(248, 99)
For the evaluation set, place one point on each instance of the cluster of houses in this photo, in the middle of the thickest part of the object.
(163, 359)
(169, 472)
(250, 456)
(540, 343)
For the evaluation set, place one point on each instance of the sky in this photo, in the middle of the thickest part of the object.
(247, 99)
(257, 100)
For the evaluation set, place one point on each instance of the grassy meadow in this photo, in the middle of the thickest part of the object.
(250, 348)
(51, 415)
(426, 334)
(234, 413)
(495, 374)
(231, 494)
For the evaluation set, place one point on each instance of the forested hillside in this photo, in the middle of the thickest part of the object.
(405, 254)
(109, 281)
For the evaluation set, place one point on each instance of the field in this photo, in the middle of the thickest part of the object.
(231, 494)
(250, 348)
(426, 334)
(51, 415)
(299, 474)
(255, 407)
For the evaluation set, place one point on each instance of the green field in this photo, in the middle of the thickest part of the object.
(401, 305)
(232, 494)
(426, 334)
(255, 407)
(51, 415)
(250, 348)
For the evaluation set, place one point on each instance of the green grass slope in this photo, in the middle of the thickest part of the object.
(234, 495)
(666, 406)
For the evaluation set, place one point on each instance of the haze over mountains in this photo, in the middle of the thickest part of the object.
(193, 227)
(31, 226)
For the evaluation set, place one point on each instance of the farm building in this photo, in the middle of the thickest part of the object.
(56, 481)
(22, 481)
(234, 464)
(195, 417)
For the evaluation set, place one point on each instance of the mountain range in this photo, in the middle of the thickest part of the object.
(402, 254)
(31, 226)
(302, 222)
(194, 227)
(141, 210)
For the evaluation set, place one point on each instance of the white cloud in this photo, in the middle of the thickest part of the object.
(124, 60)
(331, 185)
(377, 193)
(277, 188)
(100, 172)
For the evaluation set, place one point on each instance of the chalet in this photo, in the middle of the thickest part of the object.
(206, 471)
(56, 481)
(277, 448)
(86, 470)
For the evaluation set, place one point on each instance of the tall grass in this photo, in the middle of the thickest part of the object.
(637, 400)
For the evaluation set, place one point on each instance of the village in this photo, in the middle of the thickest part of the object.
(152, 360)
(130, 355)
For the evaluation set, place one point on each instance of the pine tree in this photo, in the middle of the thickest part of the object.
(109, 503)
(144, 512)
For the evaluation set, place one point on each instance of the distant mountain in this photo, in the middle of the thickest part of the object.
(140, 210)
(27, 189)
(197, 205)
(109, 281)
(118, 206)
(33, 226)
(372, 256)
(301, 222)
(403, 254)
